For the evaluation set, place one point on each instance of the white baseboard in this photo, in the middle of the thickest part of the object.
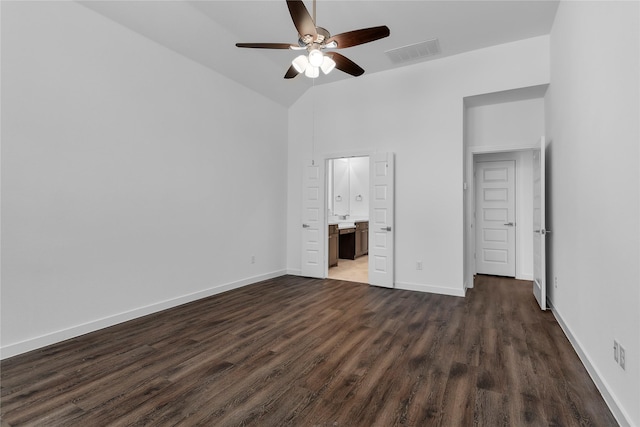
(430, 289)
(468, 285)
(75, 331)
(413, 287)
(294, 271)
(618, 411)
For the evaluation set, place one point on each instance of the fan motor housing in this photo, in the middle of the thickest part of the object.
(323, 35)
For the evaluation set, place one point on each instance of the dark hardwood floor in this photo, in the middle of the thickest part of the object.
(303, 352)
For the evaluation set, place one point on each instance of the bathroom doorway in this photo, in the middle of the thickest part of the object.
(348, 218)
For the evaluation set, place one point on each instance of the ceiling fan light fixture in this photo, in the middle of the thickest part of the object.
(328, 64)
(315, 57)
(312, 72)
(300, 63)
(314, 39)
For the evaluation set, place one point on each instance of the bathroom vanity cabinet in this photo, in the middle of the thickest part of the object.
(354, 241)
(333, 245)
(347, 243)
(362, 238)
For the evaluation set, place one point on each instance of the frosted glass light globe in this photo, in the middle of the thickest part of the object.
(328, 64)
(315, 58)
(300, 63)
(312, 72)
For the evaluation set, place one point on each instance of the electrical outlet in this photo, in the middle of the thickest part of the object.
(555, 282)
(418, 265)
(616, 350)
(622, 358)
(253, 259)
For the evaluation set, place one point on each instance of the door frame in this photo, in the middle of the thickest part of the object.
(539, 225)
(325, 220)
(469, 188)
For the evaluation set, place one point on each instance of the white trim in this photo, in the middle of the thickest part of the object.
(418, 287)
(94, 325)
(432, 289)
(610, 399)
(294, 271)
(500, 149)
(348, 154)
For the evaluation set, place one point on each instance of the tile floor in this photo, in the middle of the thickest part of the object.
(351, 270)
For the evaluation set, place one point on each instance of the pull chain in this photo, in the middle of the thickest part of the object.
(313, 107)
(313, 121)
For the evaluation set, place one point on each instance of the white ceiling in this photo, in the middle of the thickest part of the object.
(206, 32)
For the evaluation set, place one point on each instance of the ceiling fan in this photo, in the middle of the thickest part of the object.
(315, 40)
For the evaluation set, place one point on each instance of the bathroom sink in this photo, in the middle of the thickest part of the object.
(342, 225)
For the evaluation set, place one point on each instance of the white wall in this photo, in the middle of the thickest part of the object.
(341, 187)
(505, 124)
(130, 180)
(592, 110)
(359, 186)
(416, 112)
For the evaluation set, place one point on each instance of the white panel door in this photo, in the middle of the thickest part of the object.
(495, 218)
(539, 224)
(381, 218)
(313, 233)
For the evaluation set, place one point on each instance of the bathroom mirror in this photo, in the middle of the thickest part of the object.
(341, 186)
(348, 187)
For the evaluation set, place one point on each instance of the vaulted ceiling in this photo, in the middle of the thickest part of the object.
(206, 32)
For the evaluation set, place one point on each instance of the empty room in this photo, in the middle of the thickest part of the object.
(320, 213)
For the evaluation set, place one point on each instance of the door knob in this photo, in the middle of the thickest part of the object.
(386, 228)
(510, 224)
(305, 226)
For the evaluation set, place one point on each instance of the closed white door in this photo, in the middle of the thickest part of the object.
(381, 221)
(539, 224)
(495, 218)
(313, 233)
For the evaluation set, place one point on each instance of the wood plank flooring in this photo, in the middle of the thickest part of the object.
(304, 352)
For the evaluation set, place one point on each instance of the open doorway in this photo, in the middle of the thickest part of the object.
(348, 218)
(380, 219)
(502, 243)
(506, 124)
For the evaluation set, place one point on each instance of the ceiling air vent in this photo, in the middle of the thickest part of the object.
(414, 52)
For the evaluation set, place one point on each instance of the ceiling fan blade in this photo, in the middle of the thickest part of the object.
(356, 37)
(345, 64)
(291, 73)
(266, 45)
(301, 18)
